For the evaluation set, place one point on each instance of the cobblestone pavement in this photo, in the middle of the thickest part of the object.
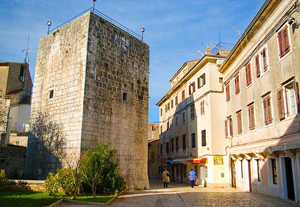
(179, 195)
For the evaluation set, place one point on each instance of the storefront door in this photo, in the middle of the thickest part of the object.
(289, 178)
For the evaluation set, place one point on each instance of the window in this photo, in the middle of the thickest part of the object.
(237, 84)
(167, 107)
(161, 128)
(176, 100)
(176, 143)
(193, 140)
(274, 171)
(183, 94)
(202, 107)
(183, 117)
(172, 145)
(184, 141)
(176, 121)
(283, 41)
(167, 147)
(161, 112)
(258, 170)
(125, 97)
(251, 117)
(168, 125)
(22, 73)
(192, 88)
(51, 93)
(288, 100)
(267, 109)
(228, 127)
(227, 92)
(192, 111)
(257, 67)
(203, 136)
(201, 80)
(171, 104)
(264, 59)
(239, 122)
(248, 74)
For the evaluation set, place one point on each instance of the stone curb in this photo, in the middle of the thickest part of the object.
(115, 197)
(57, 203)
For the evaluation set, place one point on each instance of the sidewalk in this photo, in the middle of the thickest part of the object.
(182, 195)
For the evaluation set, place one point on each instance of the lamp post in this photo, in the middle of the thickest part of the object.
(49, 24)
(94, 6)
(142, 30)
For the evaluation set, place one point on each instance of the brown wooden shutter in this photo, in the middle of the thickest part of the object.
(226, 128)
(239, 122)
(250, 117)
(257, 66)
(190, 91)
(193, 84)
(230, 126)
(203, 79)
(237, 84)
(295, 84)
(285, 40)
(198, 82)
(265, 110)
(227, 93)
(248, 75)
(280, 104)
(183, 94)
(280, 43)
(264, 56)
(269, 109)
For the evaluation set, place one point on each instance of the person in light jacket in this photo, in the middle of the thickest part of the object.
(166, 177)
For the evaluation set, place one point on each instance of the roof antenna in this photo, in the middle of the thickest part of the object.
(238, 32)
(94, 5)
(26, 59)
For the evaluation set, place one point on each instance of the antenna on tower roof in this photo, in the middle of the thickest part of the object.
(94, 5)
(26, 59)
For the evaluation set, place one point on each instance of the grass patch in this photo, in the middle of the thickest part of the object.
(39, 199)
(25, 199)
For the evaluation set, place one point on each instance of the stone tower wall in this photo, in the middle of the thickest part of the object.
(117, 66)
(60, 67)
(99, 75)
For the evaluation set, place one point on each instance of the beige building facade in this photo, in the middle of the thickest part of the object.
(261, 76)
(15, 98)
(190, 133)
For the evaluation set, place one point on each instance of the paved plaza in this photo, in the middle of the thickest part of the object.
(180, 195)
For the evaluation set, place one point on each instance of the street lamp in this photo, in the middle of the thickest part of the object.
(142, 30)
(49, 24)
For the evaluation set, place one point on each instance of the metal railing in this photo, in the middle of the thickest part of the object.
(107, 18)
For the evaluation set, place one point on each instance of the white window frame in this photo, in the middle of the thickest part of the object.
(262, 72)
(270, 173)
(290, 41)
(285, 100)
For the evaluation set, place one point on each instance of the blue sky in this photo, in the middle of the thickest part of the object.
(174, 29)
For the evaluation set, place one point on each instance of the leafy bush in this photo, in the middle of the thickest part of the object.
(100, 170)
(65, 179)
(3, 180)
(51, 185)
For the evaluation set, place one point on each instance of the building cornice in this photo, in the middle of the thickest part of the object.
(198, 66)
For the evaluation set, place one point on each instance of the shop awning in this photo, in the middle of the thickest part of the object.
(180, 160)
(198, 160)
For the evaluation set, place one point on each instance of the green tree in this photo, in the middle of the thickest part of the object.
(95, 163)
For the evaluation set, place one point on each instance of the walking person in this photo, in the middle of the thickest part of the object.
(166, 177)
(193, 177)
